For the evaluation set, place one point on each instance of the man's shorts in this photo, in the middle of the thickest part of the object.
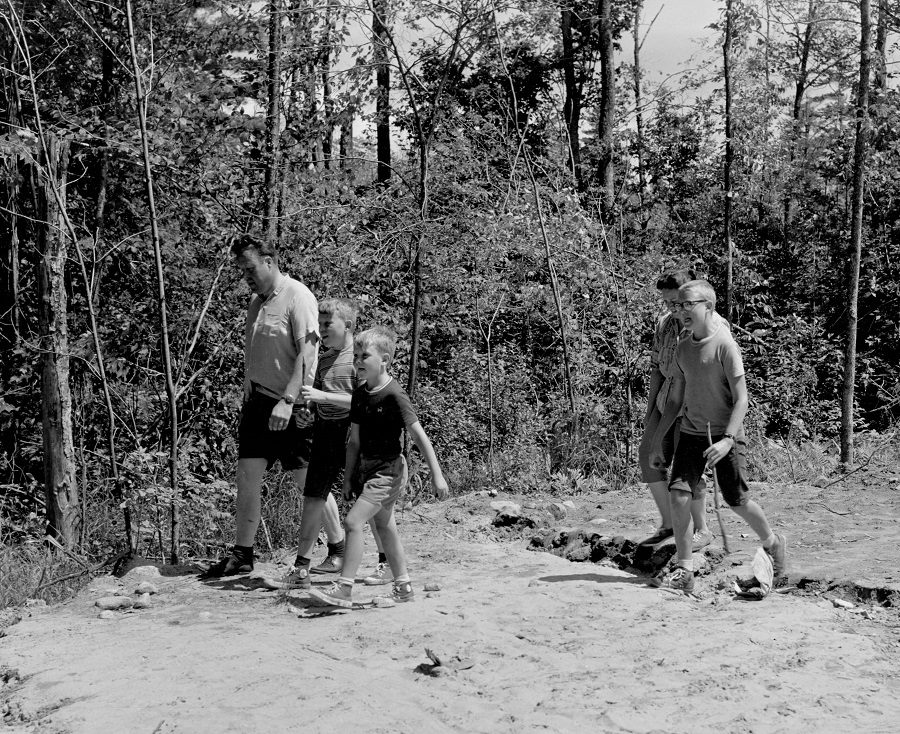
(380, 480)
(689, 464)
(329, 452)
(291, 446)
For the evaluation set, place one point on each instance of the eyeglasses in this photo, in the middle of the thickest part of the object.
(685, 305)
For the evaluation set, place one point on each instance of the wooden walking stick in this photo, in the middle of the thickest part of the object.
(716, 495)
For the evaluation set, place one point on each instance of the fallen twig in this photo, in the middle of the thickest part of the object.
(830, 510)
(87, 569)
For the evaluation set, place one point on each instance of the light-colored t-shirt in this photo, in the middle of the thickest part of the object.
(335, 373)
(276, 328)
(706, 365)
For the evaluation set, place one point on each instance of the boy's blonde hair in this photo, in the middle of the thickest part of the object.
(702, 289)
(379, 338)
(343, 308)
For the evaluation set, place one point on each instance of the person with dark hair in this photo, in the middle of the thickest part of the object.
(669, 331)
(280, 350)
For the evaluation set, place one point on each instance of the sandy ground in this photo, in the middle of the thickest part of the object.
(554, 646)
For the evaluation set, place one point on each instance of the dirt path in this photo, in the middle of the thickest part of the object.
(556, 646)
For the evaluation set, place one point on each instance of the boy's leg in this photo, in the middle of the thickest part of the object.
(310, 522)
(382, 573)
(656, 480)
(334, 561)
(683, 526)
(390, 541)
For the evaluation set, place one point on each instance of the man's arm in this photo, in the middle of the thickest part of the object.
(351, 457)
(674, 401)
(719, 450)
(656, 383)
(304, 370)
(419, 437)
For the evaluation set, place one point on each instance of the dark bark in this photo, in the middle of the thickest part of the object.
(854, 251)
(60, 480)
(638, 107)
(879, 70)
(273, 125)
(573, 100)
(607, 108)
(381, 43)
(729, 161)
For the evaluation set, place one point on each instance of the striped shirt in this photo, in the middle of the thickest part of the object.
(335, 373)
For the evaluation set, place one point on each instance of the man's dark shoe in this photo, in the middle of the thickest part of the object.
(658, 537)
(231, 565)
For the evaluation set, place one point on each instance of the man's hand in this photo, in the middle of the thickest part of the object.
(281, 415)
(441, 489)
(347, 490)
(718, 451)
(657, 459)
(310, 393)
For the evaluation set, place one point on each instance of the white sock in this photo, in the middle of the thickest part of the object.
(687, 565)
(404, 579)
(769, 542)
(344, 581)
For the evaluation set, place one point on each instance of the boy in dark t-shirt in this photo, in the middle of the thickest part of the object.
(375, 471)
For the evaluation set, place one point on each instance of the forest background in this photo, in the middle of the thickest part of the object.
(526, 185)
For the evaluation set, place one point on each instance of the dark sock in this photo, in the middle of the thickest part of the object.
(336, 549)
(301, 562)
(382, 557)
(244, 552)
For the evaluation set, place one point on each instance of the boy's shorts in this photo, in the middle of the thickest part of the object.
(651, 473)
(380, 480)
(329, 452)
(255, 441)
(689, 464)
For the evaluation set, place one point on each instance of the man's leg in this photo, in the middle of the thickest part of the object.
(656, 479)
(310, 522)
(247, 510)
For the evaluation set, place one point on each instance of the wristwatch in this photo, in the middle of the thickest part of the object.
(729, 435)
(289, 399)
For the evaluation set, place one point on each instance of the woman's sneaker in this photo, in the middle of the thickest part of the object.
(336, 595)
(403, 592)
(295, 578)
(679, 579)
(381, 575)
(701, 539)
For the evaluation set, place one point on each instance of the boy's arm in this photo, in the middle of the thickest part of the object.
(656, 382)
(341, 399)
(417, 433)
(674, 401)
(719, 450)
(350, 460)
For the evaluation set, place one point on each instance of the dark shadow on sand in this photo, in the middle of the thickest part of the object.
(599, 578)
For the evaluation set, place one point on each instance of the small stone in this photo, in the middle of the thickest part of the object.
(383, 602)
(32, 603)
(510, 508)
(208, 615)
(107, 614)
(143, 602)
(598, 521)
(529, 505)
(432, 586)
(114, 602)
(841, 604)
(144, 571)
(145, 587)
(557, 509)
(492, 493)
(569, 504)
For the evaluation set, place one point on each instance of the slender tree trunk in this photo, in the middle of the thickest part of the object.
(639, 107)
(572, 104)
(854, 251)
(9, 234)
(346, 140)
(327, 101)
(381, 43)
(273, 125)
(879, 75)
(60, 479)
(607, 107)
(729, 161)
(161, 290)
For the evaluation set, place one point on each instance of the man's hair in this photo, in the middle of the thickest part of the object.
(245, 242)
(673, 279)
(703, 290)
(342, 308)
(380, 338)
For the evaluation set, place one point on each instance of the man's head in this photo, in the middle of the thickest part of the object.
(257, 261)
(696, 302)
(668, 285)
(337, 319)
(373, 352)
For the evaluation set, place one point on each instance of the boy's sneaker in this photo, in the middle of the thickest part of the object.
(403, 592)
(295, 578)
(778, 553)
(658, 537)
(336, 595)
(679, 579)
(701, 539)
(381, 575)
(332, 564)
(231, 565)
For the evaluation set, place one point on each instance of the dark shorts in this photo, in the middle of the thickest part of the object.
(329, 451)
(380, 480)
(291, 446)
(689, 464)
(651, 473)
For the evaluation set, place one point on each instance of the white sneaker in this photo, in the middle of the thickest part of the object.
(381, 575)
(295, 578)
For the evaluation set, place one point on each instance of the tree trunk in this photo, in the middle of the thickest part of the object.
(273, 126)
(381, 44)
(572, 104)
(607, 107)
(638, 107)
(854, 251)
(729, 161)
(327, 101)
(9, 234)
(346, 140)
(60, 480)
(879, 81)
